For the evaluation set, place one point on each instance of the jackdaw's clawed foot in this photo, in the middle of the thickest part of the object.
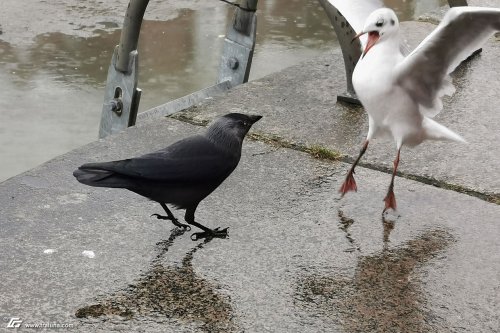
(174, 221)
(217, 233)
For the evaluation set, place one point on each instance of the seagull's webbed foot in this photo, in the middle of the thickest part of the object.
(210, 233)
(173, 220)
(349, 184)
(390, 200)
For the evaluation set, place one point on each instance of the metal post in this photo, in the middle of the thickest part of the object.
(239, 45)
(121, 97)
(351, 50)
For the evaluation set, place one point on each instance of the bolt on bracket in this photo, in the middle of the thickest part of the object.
(121, 96)
(239, 45)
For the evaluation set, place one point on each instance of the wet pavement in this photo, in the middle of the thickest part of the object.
(308, 114)
(298, 257)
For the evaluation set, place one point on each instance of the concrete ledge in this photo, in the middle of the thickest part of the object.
(299, 105)
(298, 258)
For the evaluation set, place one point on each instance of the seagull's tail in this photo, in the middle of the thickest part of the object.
(435, 131)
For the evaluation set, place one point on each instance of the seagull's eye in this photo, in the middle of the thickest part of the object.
(380, 23)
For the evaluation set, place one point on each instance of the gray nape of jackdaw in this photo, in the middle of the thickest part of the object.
(182, 174)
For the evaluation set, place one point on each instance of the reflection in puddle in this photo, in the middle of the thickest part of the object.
(168, 292)
(384, 295)
(388, 227)
(345, 223)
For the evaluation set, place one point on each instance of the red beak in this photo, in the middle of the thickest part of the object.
(373, 38)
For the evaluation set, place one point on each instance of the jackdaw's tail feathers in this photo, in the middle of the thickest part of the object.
(90, 174)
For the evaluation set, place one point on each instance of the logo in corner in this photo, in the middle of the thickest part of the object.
(14, 322)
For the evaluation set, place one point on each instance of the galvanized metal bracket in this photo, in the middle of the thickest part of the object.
(121, 96)
(239, 45)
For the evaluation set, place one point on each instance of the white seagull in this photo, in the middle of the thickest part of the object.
(401, 94)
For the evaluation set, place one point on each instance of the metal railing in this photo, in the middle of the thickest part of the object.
(122, 96)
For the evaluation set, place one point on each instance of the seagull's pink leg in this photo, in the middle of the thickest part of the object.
(349, 182)
(390, 198)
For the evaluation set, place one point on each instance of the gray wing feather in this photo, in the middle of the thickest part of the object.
(424, 73)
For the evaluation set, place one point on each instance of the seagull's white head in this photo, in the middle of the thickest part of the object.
(379, 25)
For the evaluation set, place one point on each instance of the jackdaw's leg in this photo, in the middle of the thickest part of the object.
(207, 232)
(171, 217)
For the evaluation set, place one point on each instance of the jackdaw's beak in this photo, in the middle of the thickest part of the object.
(254, 118)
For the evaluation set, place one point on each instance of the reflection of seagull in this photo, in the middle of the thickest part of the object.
(402, 94)
(385, 294)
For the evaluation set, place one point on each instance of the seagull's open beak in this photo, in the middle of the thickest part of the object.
(373, 38)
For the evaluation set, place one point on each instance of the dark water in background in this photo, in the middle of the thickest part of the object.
(52, 87)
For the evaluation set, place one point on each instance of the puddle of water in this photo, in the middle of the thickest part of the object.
(384, 295)
(52, 84)
(167, 292)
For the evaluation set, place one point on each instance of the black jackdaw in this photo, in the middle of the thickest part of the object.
(183, 174)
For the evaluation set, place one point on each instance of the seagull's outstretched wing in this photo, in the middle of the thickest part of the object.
(424, 72)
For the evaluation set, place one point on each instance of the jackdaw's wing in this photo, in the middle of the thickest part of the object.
(192, 160)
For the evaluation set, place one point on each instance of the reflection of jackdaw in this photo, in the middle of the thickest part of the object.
(182, 174)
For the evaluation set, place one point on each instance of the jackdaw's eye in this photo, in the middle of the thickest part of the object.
(243, 123)
(380, 23)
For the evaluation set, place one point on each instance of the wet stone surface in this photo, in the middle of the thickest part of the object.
(299, 105)
(298, 258)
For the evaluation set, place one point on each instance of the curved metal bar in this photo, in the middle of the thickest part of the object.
(351, 49)
(121, 95)
(130, 33)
